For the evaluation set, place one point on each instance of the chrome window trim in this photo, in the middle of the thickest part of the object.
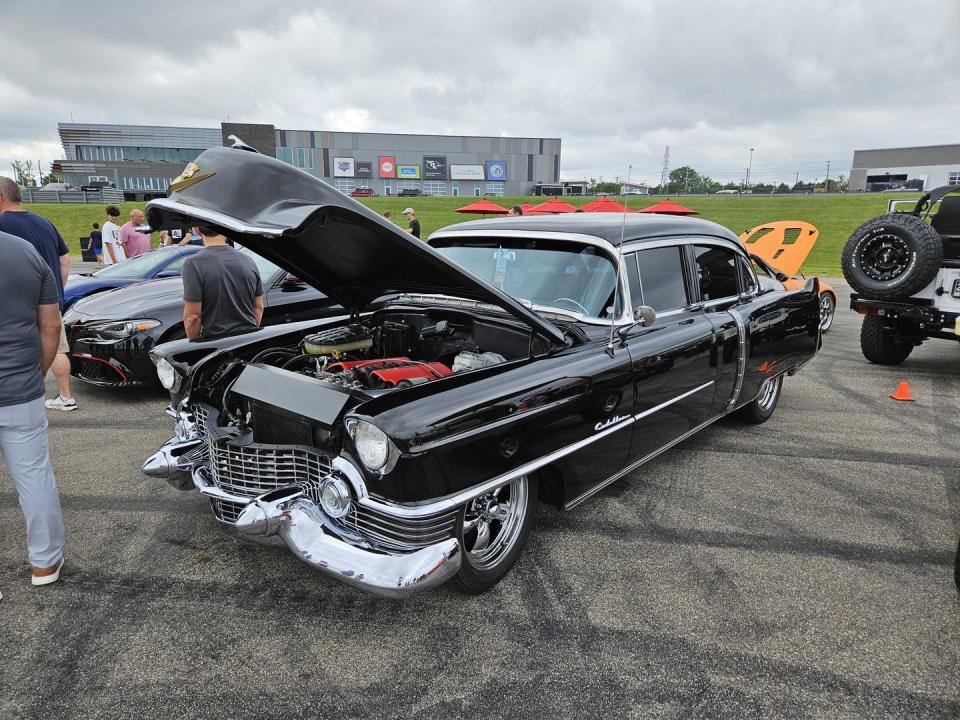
(741, 360)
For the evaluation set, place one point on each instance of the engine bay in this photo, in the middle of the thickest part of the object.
(399, 349)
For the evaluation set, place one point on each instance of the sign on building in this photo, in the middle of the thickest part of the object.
(466, 172)
(497, 170)
(388, 166)
(364, 168)
(408, 172)
(343, 167)
(435, 167)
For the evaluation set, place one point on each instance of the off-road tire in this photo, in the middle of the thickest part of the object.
(879, 344)
(892, 256)
(761, 408)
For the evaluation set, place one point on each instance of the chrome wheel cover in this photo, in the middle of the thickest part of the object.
(492, 524)
(827, 308)
(769, 393)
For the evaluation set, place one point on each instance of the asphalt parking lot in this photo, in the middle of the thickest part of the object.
(802, 568)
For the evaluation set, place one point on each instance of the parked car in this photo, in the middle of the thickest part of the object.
(778, 249)
(111, 334)
(163, 262)
(502, 363)
(58, 187)
(409, 192)
(727, 192)
(905, 269)
(95, 185)
(363, 192)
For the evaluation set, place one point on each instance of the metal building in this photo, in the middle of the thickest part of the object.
(918, 168)
(142, 160)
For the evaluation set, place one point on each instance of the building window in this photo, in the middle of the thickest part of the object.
(455, 189)
(408, 184)
(434, 187)
(476, 189)
(495, 188)
(285, 154)
(304, 158)
(98, 178)
(954, 178)
(344, 185)
(387, 190)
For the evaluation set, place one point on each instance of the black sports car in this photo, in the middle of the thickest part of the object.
(500, 364)
(111, 333)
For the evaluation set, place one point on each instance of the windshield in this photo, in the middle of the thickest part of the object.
(137, 267)
(568, 276)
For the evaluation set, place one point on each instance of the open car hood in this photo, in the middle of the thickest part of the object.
(317, 233)
(784, 244)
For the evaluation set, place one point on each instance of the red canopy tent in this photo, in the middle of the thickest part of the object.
(605, 204)
(527, 208)
(553, 205)
(483, 207)
(668, 207)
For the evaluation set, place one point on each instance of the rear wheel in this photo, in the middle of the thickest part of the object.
(762, 407)
(492, 530)
(879, 343)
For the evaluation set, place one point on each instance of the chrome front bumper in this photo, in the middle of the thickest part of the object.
(309, 533)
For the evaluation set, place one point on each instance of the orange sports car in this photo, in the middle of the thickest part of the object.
(778, 250)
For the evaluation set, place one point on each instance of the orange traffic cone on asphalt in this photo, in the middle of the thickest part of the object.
(903, 392)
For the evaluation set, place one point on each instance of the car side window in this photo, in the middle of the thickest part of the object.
(716, 272)
(748, 281)
(661, 278)
(176, 265)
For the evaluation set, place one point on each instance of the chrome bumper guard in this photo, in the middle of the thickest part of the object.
(306, 530)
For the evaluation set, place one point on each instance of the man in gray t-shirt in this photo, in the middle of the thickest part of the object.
(222, 291)
(30, 332)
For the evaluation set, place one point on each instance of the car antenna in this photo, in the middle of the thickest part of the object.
(616, 287)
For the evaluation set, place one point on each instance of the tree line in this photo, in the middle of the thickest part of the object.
(687, 180)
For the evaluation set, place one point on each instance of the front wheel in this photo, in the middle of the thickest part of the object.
(828, 306)
(762, 407)
(492, 530)
(879, 343)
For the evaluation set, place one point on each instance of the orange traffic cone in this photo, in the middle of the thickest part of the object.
(903, 392)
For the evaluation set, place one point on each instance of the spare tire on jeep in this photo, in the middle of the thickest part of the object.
(892, 256)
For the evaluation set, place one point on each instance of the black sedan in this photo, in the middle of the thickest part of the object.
(501, 364)
(111, 333)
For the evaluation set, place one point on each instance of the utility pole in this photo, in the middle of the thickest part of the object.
(749, 168)
(827, 181)
(39, 175)
(796, 180)
(665, 172)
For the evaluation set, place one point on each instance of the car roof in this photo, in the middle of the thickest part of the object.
(606, 226)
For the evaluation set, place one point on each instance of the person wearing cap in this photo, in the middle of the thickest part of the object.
(414, 228)
(222, 290)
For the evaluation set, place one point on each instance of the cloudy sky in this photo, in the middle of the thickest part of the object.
(801, 82)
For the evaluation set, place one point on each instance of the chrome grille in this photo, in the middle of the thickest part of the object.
(252, 470)
(396, 533)
(225, 510)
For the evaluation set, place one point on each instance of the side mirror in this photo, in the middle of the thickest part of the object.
(645, 315)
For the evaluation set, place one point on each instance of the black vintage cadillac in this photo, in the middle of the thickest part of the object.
(501, 364)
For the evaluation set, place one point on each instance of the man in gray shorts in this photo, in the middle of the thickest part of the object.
(30, 328)
(222, 290)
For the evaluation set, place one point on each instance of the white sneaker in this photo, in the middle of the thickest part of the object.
(48, 577)
(61, 403)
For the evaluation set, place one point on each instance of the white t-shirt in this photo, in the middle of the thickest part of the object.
(111, 237)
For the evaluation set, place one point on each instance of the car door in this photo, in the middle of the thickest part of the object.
(672, 363)
(759, 334)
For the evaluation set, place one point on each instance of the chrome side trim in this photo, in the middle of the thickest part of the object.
(633, 466)
(741, 361)
(455, 500)
(678, 398)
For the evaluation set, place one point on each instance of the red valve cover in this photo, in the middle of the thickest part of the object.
(394, 371)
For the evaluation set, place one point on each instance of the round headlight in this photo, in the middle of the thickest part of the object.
(167, 373)
(373, 445)
(334, 497)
